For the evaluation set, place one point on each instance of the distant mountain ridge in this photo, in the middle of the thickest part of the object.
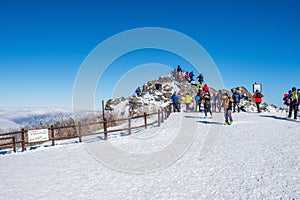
(16, 118)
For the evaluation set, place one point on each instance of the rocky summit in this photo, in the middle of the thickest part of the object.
(157, 93)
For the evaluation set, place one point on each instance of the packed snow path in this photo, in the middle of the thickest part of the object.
(258, 157)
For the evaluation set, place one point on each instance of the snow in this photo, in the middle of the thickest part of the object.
(121, 107)
(257, 157)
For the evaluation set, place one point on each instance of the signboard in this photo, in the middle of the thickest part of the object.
(257, 86)
(38, 135)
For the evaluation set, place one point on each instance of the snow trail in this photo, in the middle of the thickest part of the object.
(256, 158)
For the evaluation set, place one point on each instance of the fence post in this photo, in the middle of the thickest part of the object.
(79, 131)
(158, 117)
(105, 128)
(103, 113)
(166, 113)
(23, 139)
(52, 135)
(129, 126)
(145, 119)
(14, 143)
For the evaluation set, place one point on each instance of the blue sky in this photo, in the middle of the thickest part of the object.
(43, 43)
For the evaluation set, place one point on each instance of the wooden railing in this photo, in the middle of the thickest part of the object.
(17, 138)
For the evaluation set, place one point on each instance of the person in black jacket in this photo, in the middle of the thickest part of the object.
(207, 103)
(179, 68)
(191, 75)
(293, 96)
(200, 78)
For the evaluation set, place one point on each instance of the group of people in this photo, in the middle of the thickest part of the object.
(202, 97)
(182, 76)
(212, 102)
(206, 99)
(217, 101)
(292, 100)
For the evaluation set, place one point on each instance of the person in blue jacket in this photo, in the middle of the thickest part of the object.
(175, 102)
(138, 91)
(236, 98)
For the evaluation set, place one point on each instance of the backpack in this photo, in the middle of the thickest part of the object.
(237, 97)
(294, 97)
(286, 100)
(258, 95)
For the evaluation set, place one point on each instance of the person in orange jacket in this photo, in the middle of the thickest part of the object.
(228, 103)
(258, 99)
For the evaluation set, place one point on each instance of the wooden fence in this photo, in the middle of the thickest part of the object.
(17, 138)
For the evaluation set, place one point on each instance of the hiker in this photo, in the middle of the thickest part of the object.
(187, 76)
(175, 102)
(228, 101)
(205, 88)
(298, 92)
(200, 78)
(258, 99)
(187, 101)
(219, 100)
(179, 68)
(293, 96)
(198, 101)
(180, 76)
(237, 98)
(138, 91)
(199, 86)
(214, 102)
(191, 75)
(207, 103)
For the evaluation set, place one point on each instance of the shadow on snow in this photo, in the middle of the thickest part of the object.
(214, 123)
(279, 118)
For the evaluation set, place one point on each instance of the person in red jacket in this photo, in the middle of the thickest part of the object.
(205, 88)
(258, 98)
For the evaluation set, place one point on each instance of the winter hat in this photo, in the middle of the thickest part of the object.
(294, 89)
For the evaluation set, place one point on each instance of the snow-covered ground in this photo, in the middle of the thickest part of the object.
(258, 157)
